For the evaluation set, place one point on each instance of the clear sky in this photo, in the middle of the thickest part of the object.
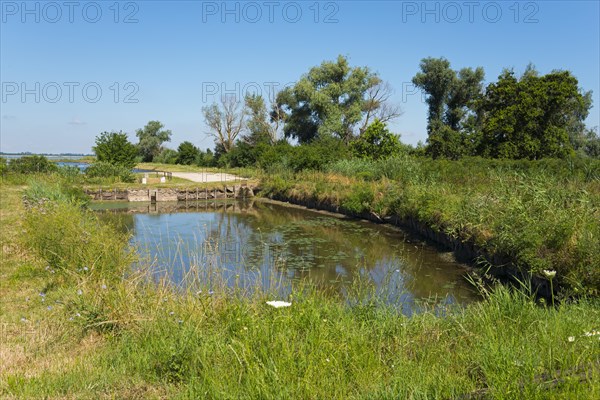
(71, 70)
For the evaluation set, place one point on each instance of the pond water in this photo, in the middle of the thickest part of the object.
(268, 244)
(83, 166)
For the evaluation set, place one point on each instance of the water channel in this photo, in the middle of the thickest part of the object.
(266, 243)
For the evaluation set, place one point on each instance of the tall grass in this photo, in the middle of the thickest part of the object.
(540, 215)
(155, 341)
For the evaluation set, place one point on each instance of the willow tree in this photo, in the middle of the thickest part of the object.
(332, 99)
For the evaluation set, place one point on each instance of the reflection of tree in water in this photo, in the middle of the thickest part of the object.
(269, 242)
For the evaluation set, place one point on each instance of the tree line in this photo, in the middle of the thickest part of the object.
(338, 110)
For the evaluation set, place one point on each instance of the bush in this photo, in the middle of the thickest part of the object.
(376, 142)
(114, 148)
(31, 165)
(106, 170)
(187, 153)
(166, 156)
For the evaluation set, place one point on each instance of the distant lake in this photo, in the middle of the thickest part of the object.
(49, 157)
(83, 166)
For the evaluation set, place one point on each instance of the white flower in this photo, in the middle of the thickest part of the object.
(571, 338)
(279, 303)
(549, 273)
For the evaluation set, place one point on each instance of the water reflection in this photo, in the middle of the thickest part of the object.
(258, 243)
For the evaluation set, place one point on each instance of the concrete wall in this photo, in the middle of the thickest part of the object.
(171, 194)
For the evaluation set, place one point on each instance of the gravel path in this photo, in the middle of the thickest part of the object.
(205, 177)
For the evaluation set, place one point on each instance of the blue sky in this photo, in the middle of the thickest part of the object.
(72, 70)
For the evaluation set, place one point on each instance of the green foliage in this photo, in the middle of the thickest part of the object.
(187, 153)
(328, 101)
(452, 98)
(69, 238)
(114, 148)
(445, 142)
(57, 190)
(151, 138)
(167, 156)
(3, 165)
(376, 142)
(258, 126)
(102, 169)
(435, 79)
(537, 214)
(206, 159)
(31, 165)
(531, 117)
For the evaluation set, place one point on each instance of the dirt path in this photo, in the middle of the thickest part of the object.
(205, 177)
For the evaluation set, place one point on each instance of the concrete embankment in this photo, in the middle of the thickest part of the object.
(171, 194)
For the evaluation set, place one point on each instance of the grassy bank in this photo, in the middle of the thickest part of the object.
(534, 215)
(79, 323)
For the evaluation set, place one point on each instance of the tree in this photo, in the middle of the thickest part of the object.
(115, 148)
(225, 122)
(331, 100)
(465, 89)
(261, 126)
(453, 118)
(151, 138)
(532, 117)
(377, 104)
(187, 153)
(436, 80)
(376, 142)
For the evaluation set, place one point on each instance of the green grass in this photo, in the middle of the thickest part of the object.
(111, 333)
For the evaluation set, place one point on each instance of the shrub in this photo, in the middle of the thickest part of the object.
(187, 153)
(167, 156)
(376, 142)
(31, 165)
(106, 170)
(114, 148)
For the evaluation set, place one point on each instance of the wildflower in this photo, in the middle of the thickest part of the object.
(23, 319)
(397, 270)
(245, 328)
(103, 287)
(172, 313)
(571, 339)
(49, 308)
(549, 273)
(591, 333)
(47, 267)
(199, 292)
(78, 315)
(210, 292)
(79, 292)
(85, 268)
(180, 321)
(327, 359)
(279, 304)
(42, 294)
